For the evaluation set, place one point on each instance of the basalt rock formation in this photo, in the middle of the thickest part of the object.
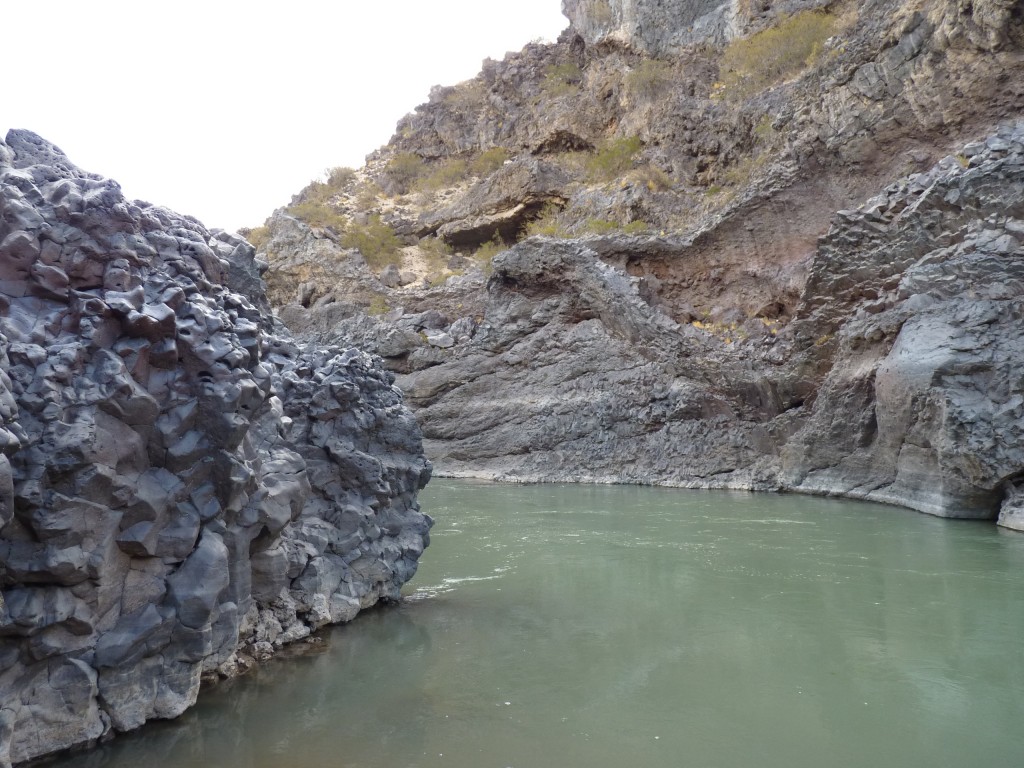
(701, 285)
(183, 487)
(898, 379)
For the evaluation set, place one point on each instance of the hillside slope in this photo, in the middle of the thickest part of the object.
(678, 300)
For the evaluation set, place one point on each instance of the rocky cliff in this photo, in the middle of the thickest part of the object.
(897, 380)
(697, 282)
(183, 487)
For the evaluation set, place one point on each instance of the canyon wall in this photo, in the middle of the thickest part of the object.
(697, 281)
(183, 486)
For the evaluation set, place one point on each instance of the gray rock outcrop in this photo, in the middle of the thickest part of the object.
(571, 375)
(653, 26)
(920, 293)
(501, 205)
(183, 487)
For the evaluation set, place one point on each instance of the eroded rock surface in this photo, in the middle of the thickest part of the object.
(183, 487)
(919, 293)
(679, 302)
(896, 379)
(654, 26)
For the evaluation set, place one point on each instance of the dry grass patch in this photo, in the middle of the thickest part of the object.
(488, 161)
(613, 159)
(649, 79)
(751, 64)
(561, 79)
(257, 236)
(377, 242)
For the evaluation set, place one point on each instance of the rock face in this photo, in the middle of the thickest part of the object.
(571, 375)
(499, 206)
(598, 137)
(678, 301)
(920, 294)
(656, 27)
(183, 487)
(897, 381)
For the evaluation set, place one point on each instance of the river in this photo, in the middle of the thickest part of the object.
(622, 626)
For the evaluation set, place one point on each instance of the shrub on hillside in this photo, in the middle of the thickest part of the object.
(562, 79)
(467, 95)
(649, 79)
(340, 177)
(317, 213)
(606, 227)
(613, 159)
(447, 173)
(753, 63)
(485, 254)
(314, 202)
(600, 226)
(488, 161)
(257, 236)
(436, 253)
(636, 228)
(377, 242)
(650, 176)
(404, 170)
(367, 195)
(378, 305)
(547, 224)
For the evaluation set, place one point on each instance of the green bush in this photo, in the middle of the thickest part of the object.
(447, 173)
(377, 242)
(404, 170)
(600, 226)
(466, 95)
(366, 198)
(314, 203)
(562, 79)
(751, 64)
(435, 248)
(378, 305)
(488, 161)
(605, 227)
(613, 159)
(764, 131)
(649, 79)
(340, 177)
(636, 228)
(651, 176)
(436, 253)
(317, 214)
(485, 254)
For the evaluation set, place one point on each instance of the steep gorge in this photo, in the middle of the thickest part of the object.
(639, 254)
(678, 301)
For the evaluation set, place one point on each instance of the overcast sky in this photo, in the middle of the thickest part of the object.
(224, 109)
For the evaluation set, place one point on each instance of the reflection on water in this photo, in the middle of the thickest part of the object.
(621, 626)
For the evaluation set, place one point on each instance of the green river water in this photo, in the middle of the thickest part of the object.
(621, 627)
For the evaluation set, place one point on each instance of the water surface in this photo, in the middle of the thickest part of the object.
(622, 626)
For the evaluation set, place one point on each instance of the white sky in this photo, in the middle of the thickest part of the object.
(224, 109)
